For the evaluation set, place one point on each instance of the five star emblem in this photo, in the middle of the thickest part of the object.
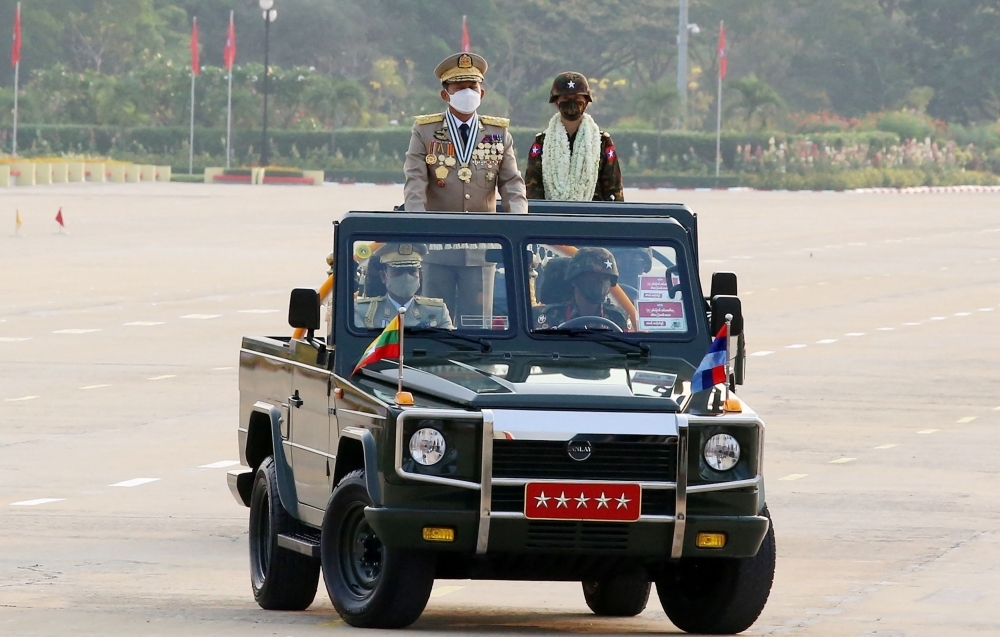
(562, 500)
(603, 501)
(543, 500)
(582, 501)
(571, 84)
(623, 502)
(608, 264)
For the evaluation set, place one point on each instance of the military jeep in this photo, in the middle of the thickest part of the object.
(517, 442)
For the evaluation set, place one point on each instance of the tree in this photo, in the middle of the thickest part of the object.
(756, 98)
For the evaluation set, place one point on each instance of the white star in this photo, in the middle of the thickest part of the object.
(571, 84)
(562, 500)
(623, 502)
(603, 501)
(608, 264)
(582, 501)
(543, 500)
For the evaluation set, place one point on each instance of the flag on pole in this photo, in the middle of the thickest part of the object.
(722, 52)
(229, 53)
(385, 346)
(59, 219)
(195, 66)
(712, 370)
(15, 49)
(17, 221)
(466, 45)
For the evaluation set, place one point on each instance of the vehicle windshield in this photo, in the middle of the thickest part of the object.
(628, 288)
(447, 284)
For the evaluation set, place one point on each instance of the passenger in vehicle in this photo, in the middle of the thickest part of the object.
(591, 273)
(401, 274)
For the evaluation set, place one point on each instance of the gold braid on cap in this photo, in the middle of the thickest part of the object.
(458, 74)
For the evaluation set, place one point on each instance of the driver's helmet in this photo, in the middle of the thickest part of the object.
(592, 259)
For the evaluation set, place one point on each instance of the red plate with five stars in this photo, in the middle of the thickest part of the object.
(571, 501)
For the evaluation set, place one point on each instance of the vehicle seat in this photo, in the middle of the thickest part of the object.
(551, 285)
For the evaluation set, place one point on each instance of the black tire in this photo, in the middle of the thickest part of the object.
(370, 585)
(281, 579)
(718, 596)
(624, 595)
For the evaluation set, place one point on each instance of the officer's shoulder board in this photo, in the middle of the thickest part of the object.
(365, 300)
(489, 120)
(433, 118)
(605, 134)
(428, 301)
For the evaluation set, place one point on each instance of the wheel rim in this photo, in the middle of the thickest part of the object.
(260, 547)
(360, 552)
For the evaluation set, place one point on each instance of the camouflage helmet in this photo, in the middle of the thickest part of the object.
(570, 83)
(591, 259)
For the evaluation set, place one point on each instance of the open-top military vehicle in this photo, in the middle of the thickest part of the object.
(546, 429)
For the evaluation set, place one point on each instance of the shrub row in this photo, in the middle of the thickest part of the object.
(671, 151)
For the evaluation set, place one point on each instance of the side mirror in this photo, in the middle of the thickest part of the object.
(303, 309)
(723, 283)
(722, 305)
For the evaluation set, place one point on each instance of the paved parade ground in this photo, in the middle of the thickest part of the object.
(873, 324)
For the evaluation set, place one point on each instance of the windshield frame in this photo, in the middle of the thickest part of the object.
(681, 262)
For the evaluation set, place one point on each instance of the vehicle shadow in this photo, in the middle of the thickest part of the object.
(502, 620)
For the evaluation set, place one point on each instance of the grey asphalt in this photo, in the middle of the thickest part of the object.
(874, 327)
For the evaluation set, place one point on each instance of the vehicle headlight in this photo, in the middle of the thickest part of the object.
(722, 452)
(427, 446)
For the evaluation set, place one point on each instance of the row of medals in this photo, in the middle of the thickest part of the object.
(487, 153)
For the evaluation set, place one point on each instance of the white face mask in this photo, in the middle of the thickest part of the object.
(465, 101)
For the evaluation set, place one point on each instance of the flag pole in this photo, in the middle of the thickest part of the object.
(17, 74)
(718, 116)
(193, 75)
(229, 102)
(399, 381)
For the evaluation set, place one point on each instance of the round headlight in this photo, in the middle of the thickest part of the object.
(427, 446)
(722, 452)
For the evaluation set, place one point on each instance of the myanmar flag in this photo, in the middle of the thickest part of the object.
(385, 346)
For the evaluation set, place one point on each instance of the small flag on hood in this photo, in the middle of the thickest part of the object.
(385, 346)
(712, 370)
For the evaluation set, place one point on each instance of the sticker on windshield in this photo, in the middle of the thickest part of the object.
(657, 310)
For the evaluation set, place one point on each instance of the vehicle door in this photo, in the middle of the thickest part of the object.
(309, 423)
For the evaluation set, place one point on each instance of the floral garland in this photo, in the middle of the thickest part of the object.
(566, 175)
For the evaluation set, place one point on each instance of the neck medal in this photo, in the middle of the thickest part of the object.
(464, 150)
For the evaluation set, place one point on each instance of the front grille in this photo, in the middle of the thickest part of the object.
(510, 498)
(641, 460)
(605, 536)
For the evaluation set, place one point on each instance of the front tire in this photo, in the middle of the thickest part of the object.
(370, 585)
(281, 579)
(719, 596)
(624, 595)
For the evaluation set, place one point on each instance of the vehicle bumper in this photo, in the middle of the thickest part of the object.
(241, 484)
(403, 529)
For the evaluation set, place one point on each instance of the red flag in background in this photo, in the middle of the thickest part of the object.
(59, 218)
(466, 45)
(723, 53)
(15, 49)
(195, 66)
(229, 54)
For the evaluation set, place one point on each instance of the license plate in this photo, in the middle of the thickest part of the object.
(573, 501)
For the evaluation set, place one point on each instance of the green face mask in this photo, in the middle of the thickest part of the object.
(571, 110)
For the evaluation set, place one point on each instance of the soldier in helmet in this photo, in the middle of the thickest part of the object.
(592, 272)
(401, 274)
(573, 160)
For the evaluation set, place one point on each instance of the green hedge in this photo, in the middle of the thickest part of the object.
(669, 151)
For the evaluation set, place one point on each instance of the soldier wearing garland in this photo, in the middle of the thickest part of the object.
(579, 162)
(457, 162)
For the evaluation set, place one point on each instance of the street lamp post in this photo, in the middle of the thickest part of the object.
(270, 13)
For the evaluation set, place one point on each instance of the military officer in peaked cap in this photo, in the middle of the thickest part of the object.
(573, 160)
(457, 162)
(592, 272)
(402, 277)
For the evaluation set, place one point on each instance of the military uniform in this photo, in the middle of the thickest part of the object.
(587, 261)
(609, 175)
(421, 311)
(438, 180)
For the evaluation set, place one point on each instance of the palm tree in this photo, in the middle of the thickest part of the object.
(757, 98)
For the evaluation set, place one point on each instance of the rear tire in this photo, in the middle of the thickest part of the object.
(719, 596)
(623, 595)
(370, 585)
(281, 579)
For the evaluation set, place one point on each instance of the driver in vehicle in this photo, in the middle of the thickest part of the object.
(401, 275)
(592, 272)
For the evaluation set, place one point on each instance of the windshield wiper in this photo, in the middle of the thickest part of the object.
(440, 333)
(607, 336)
